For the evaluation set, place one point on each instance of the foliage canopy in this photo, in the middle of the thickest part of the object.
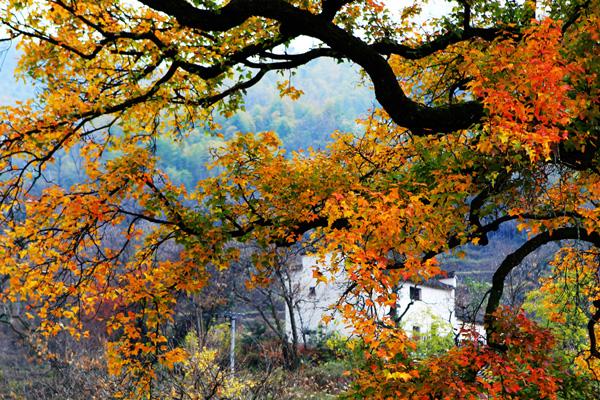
(487, 115)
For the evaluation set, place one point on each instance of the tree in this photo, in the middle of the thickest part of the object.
(280, 293)
(562, 304)
(488, 115)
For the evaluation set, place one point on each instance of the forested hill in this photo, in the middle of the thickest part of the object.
(333, 99)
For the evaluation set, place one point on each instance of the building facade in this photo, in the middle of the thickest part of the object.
(421, 308)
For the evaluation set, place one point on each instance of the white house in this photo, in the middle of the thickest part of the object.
(420, 306)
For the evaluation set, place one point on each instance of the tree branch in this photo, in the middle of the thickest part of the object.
(514, 259)
(388, 47)
(405, 112)
(594, 352)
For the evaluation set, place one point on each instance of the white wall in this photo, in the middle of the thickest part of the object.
(436, 306)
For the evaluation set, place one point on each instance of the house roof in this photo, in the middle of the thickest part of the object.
(436, 283)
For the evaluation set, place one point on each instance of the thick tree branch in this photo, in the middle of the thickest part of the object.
(388, 47)
(289, 61)
(514, 259)
(581, 160)
(591, 327)
(227, 17)
(294, 22)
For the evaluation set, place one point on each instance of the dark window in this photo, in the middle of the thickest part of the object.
(312, 291)
(415, 293)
